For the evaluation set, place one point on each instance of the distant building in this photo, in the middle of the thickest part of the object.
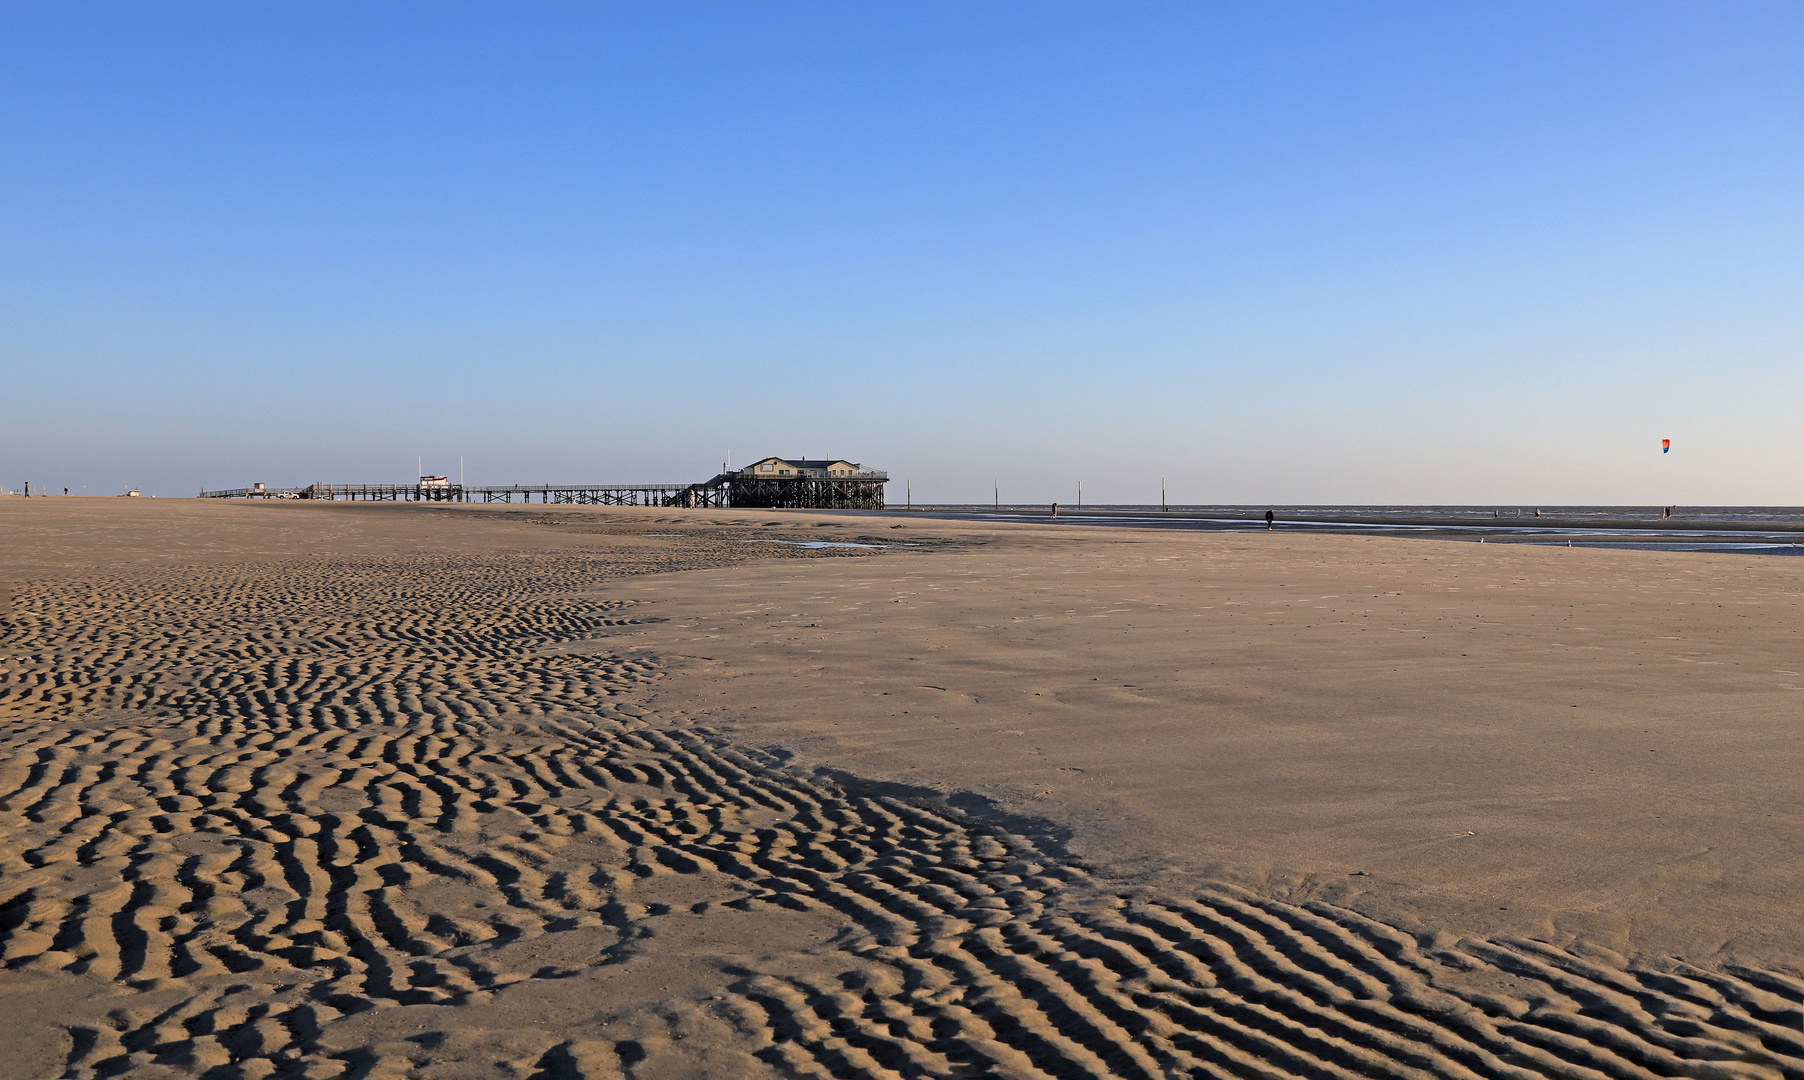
(821, 469)
(805, 483)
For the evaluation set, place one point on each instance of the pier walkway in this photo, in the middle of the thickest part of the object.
(582, 494)
(859, 491)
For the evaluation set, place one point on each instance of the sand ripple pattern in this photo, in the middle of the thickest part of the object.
(267, 806)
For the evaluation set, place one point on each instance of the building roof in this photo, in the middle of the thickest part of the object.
(807, 463)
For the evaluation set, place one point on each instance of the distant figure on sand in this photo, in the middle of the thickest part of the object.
(1268, 520)
(1055, 511)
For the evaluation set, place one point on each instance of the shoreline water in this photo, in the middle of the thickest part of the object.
(1750, 530)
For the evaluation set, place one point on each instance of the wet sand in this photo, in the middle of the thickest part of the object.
(389, 791)
(1509, 740)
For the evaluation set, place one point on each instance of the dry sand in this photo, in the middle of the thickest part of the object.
(312, 790)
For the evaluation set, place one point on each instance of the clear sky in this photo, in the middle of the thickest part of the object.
(1315, 252)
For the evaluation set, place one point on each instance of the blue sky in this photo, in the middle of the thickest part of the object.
(1273, 253)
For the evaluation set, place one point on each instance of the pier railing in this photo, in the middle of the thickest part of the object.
(585, 494)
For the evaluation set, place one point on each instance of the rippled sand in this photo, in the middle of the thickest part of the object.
(373, 791)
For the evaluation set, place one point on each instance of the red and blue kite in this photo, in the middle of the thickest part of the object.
(1665, 446)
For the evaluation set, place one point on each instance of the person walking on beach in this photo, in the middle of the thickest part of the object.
(1055, 511)
(1268, 520)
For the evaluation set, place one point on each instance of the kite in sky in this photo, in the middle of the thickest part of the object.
(1666, 446)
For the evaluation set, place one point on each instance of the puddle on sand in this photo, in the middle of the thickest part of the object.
(812, 543)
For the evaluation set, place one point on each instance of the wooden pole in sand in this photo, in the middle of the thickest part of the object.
(999, 493)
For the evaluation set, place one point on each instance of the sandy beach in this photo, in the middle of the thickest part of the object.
(352, 790)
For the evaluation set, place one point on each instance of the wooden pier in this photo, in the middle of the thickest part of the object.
(862, 491)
